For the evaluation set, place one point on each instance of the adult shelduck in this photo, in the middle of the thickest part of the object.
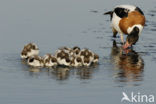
(127, 19)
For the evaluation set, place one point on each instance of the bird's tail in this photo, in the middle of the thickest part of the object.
(109, 12)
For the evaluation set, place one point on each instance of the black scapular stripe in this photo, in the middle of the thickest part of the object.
(139, 10)
(121, 12)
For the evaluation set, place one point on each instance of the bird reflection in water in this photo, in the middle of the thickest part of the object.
(34, 72)
(128, 63)
(63, 73)
(86, 72)
(60, 73)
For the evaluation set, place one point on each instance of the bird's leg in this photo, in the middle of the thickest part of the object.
(114, 32)
(122, 38)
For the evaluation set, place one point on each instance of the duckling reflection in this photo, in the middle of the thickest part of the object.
(130, 63)
(34, 72)
(60, 73)
(86, 72)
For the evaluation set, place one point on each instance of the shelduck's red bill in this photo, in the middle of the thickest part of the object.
(126, 45)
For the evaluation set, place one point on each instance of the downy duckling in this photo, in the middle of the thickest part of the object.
(87, 61)
(85, 53)
(30, 49)
(50, 61)
(35, 61)
(63, 58)
(77, 61)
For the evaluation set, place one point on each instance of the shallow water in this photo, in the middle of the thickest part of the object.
(52, 24)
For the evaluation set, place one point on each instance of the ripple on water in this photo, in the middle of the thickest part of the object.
(153, 11)
(94, 11)
(153, 29)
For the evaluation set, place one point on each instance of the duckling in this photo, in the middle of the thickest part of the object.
(63, 58)
(87, 61)
(50, 61)
(35, 61)
(30, 49)
(77, 61)
(85, 53)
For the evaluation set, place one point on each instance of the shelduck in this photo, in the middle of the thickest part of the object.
(127, 19)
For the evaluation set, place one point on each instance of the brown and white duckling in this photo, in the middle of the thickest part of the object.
(63, 58)
(77, 61)
(86, 53)
(87, 61)
(30, 49)
(89, 57)
(50, 61)
(35, 61)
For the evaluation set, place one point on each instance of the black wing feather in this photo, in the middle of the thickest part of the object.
(121, 12)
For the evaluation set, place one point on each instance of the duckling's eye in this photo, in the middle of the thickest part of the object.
(31, 60)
